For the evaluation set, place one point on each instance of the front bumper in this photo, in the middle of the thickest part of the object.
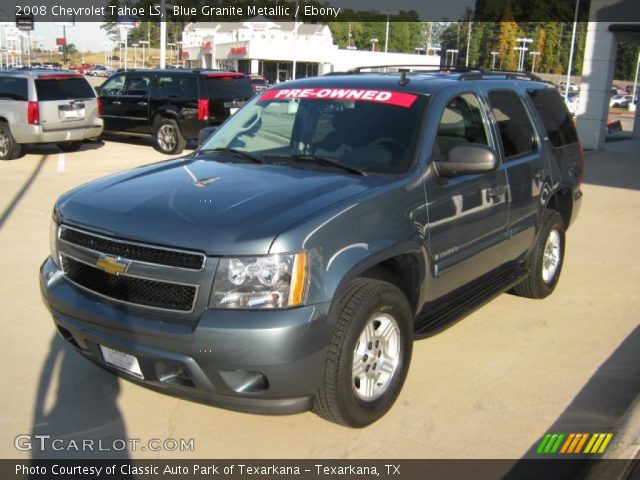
(224, 348)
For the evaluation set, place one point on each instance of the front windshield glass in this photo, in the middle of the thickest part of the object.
(372, 131)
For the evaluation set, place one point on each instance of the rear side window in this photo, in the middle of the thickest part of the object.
(66, 89)
(13, 89)
(555, 116)
(228, 87)
(516, 132)
(177, 86)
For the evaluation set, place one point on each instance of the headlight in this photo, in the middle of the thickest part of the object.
(272, 281)
(53, 240)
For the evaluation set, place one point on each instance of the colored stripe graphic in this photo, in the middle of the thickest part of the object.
(598, 442)
(550, 443)
(553, 443)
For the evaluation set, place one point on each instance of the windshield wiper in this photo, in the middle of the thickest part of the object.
(306, 158)
(234, 151)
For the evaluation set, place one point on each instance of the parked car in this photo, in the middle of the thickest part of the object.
(290, 261)
(172, 105)
(619, 101)
(573, 103)
(37, 106)
(84, 67)
(96, 70)
(258, 83)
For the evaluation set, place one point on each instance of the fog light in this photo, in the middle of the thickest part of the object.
(243, 381)
(173, 373)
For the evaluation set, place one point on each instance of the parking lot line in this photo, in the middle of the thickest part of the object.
(61, 162)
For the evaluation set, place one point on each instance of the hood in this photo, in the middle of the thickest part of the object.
(201, 204)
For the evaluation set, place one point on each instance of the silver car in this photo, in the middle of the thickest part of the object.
(45, 106)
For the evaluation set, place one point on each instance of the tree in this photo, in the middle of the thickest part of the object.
(507, 41)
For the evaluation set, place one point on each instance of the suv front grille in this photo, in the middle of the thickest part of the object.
(140, 291)
(160, 256)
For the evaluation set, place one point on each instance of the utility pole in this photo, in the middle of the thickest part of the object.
(466, 61)
(64, 47)
(386, 36)
(573, 41)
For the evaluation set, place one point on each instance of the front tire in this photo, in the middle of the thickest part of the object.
(169, 139)
(369, 354)
(545, 261)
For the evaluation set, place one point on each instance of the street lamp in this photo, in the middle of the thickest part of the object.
(533, 62)
(493, 59)
(172, 54)
(522, 49)
(143, 43)
(453, 52)
(373, 44)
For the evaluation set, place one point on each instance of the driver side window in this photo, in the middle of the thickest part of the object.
(461, 123)
(113, 87)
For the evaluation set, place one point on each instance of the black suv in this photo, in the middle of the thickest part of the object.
(290, 261)
(173, 105)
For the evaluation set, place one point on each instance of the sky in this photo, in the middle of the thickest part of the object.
(85, 35)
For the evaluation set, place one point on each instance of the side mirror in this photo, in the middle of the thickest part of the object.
(204, 134)
(468, 159)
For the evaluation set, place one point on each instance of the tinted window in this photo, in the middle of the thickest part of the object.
(67, 89)
(516, 132)
(113, 87)
(371, 136)
(177, 86)
(13, 88)
(555, 116)
(137, 85)
(461, 123)
(228, 87)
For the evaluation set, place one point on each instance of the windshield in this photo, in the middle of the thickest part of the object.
(376, 135)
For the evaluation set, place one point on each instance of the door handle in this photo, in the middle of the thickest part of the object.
(142, 103)
(496, 192)
(116, 102)
(541, 174)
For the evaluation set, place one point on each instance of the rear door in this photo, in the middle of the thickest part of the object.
(226, 91)
(527, 168)
(65, 102)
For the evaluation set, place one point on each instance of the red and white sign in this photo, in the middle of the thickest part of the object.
(388, 97)
(238, 51)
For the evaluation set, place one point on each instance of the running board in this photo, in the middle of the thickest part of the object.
(454, 307)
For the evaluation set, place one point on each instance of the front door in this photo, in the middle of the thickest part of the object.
(135, 103)
(111, 95)
(468, 214)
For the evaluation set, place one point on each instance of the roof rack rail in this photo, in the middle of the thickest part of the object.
(432, 68)
(466, 73)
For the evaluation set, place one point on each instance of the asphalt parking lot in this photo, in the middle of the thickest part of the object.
(491, 386)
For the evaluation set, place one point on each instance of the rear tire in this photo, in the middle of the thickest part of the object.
(168, 138)
(545, 261)
(69, 146)
(369, 354)
(9, 148)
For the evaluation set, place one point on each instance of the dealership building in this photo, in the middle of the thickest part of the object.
(271, 48)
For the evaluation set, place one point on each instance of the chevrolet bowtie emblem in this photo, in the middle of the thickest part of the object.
(112, 265)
